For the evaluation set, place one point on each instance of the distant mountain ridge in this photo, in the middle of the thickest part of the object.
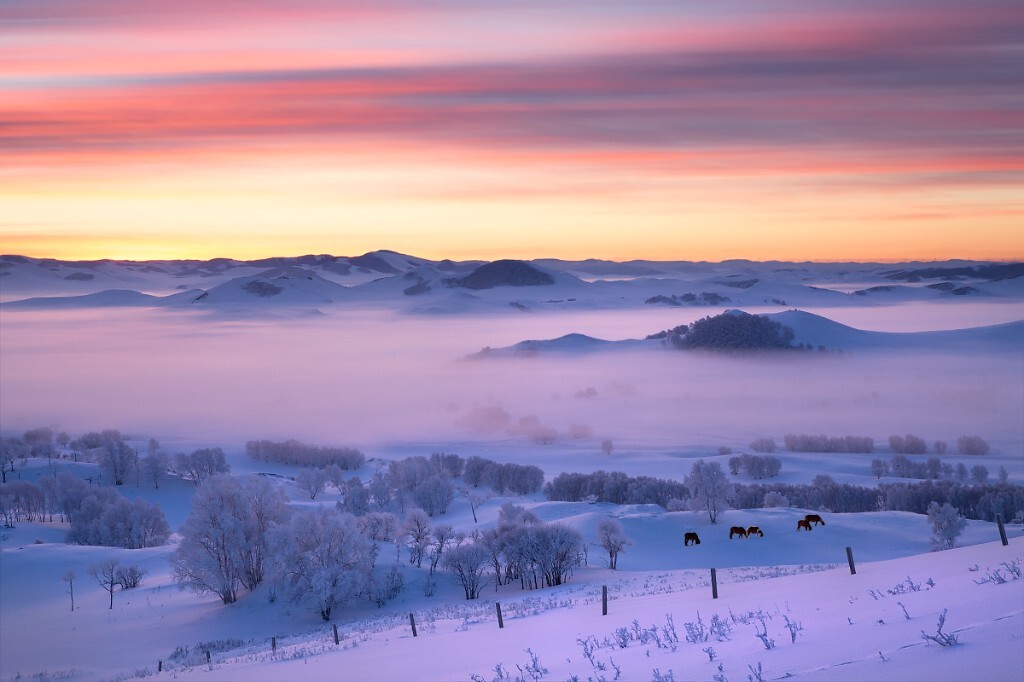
(410, 284)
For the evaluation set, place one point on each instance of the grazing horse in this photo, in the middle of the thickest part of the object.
(737, 530)
(755, 530)
(803, 523)
(690, 537)
(815, 519)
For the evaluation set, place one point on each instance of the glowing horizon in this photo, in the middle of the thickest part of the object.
(856, 131)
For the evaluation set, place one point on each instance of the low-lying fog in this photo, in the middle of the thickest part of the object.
(364, 377)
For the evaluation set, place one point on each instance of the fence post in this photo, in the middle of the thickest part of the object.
(412, 622)
(604, 600)
(334, 626)
(273, 645)
(1002, 529)
(849, 557)
(714, 584)
(208, 657)
(501, 623)
(159, 666)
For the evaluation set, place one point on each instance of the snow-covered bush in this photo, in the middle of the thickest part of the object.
(201, 464)
(946, 523)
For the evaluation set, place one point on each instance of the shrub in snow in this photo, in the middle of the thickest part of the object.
(941, 638)
(946, 523)
(224, 541)
(763, 445)
(468, 563)
(773, 498)
(129, 577)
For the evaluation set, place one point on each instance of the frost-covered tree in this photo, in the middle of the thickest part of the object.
(469, 565)
(434, 494)
(972, 445)
(155, 465)
(1004, 475)
(11, 450)
(324, 559)
(117, 460)
(105, 573)
(415, 532)
(442, 536)
(201, 464)
(607, 446)
(225, 537)
(773, 498)
(879, 468)
(357, 499)
(979, 473)
(613, 539)
(946, 523)
(312, 480)
(710, 489)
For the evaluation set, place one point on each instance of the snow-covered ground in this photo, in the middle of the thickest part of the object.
(344, 356)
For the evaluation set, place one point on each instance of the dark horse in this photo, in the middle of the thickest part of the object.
(755, 530)
(803, 523)
(815, 519)
(737, 530)
(690, 537)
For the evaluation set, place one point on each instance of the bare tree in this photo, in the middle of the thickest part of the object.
(106, 574)
(613, 540)
(69, 578)
(607, 446)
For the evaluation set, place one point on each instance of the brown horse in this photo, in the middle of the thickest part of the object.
(690, 537)
(755, 530)
(803, 523)
(815, 519)
(737, 530)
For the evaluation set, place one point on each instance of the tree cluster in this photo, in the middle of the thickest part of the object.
(981, 502)
(295, 453)
(201, 464)
(524, 479)
(736, 330)
(614, 487)
(755, 466)
(523, 548)
(763, 445)
(802, 442)
(97, 515)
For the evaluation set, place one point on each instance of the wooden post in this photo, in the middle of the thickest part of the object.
(714, 584)
(159, 666)
(412, 622)
(207, 657)
(501, 623)
(849, 557)
(604, 600)
(273, 645)
(1002, 529)
(334, 626)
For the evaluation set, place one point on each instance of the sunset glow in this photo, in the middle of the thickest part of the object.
(491, 129)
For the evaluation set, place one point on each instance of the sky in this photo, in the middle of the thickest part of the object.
(791, 130)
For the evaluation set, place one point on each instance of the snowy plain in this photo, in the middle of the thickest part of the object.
(388, 373)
